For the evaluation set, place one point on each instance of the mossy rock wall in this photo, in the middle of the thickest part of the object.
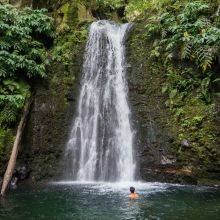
(166, 149)
(154, 137)
(50, 121)
(55, 99)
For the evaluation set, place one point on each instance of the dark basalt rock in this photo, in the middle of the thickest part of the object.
(70, 96)
(19, 174)
(50, 119)
(165, 150)
(22, 173)
(154, 139)
(168, 174)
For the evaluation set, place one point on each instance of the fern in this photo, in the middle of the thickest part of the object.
(206, 63)
(204, 57)
(186, 51)
(8, 116)
(188, 28)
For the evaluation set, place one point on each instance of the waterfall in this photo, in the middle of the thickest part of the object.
(100, 143)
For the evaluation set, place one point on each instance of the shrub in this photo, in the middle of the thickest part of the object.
(23, 55)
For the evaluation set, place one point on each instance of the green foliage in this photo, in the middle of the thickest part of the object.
(186, 85)
(12, 97)
(21, 48)
(63, 49)
(8, 116)
(178, 85)
(189, 101)
(189, 31)
(137, 7)
(6, 140)
(196, 121)
(13, 92)
(192, 122)
(113, 4)
(23, 55)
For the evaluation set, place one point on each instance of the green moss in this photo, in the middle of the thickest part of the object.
(6, 143)
(64, 13)
(190, 117)
(67, 46)
(83, 13)
(208, 182)
(72, 30)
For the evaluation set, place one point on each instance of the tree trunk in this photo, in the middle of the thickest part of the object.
(14, 153)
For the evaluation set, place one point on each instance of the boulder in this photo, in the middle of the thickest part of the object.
(185, 143)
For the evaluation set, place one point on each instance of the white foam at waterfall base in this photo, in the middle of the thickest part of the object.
(100, 147)
(145, 188)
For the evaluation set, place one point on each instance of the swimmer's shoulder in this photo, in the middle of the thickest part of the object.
(135, 196)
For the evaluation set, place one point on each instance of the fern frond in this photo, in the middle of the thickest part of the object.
(8, 115)
(186, 51)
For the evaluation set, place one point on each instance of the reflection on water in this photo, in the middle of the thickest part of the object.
(110, 201)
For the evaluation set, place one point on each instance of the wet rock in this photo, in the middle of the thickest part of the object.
(167, 161)
(156, 134)
(69, 96)
(19, 174)
(185, 143)
(23, 173)
(14, 183)
(168, 174)
(50, 119)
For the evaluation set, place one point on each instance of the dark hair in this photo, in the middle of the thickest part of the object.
(132, 189)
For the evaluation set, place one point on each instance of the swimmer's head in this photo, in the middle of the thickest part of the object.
(132, 189)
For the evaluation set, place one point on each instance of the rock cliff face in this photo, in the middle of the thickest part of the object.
(155, 138)
(49, 122)
(165, 150)
(55, 98)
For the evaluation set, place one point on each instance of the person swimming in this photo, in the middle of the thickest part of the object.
(133, 195)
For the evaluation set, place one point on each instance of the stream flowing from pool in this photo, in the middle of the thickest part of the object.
(100, 145)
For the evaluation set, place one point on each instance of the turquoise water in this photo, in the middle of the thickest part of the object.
(110, 201)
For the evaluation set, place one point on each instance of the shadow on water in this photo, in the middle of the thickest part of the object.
(110, 201)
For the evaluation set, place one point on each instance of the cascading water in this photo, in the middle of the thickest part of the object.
(100, 144)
